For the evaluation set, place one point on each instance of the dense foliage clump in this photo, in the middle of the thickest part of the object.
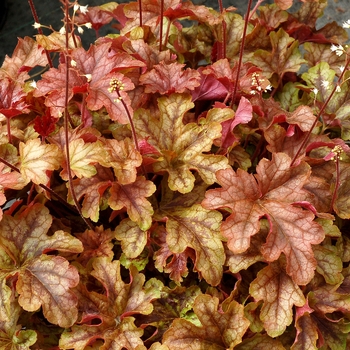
(182, 183)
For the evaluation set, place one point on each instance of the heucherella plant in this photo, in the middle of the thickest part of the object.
(181, 183)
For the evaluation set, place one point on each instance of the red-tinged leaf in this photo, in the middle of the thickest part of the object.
(284, 57)
(220, 330)
(96, 243)
(260, 342)
(210, 88)
(46, 282)
(133, 198)
(306, 330)
(196, 228)
(53, 86)
(292, 229)
(37, 159)
(177, 266)
(279, 293)
(101, 96)
(92, 189)
(12, 98)
(243, 115)
(284, 4)
(43, 280)
(170, 78)
(182, 146)
(124, 158)
(133, 239)
(95, 15)
(26, 56)
(44, 125)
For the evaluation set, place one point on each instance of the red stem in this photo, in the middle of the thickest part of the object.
(161, 24)
(66, 122)
(36, 19)
(140, 11)
(246, 20)
(337, 181)
(224, 34)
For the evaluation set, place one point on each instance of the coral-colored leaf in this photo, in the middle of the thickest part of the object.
(279, 293)
(26, 55)
(43, 280)
(220, 330)
(36, 159)
(306, 330)
(169, 78)
(198, 229)
(182, 146)
(93, 190)
(124, 159)
(46, 282)
(133, 198)
(292, 229)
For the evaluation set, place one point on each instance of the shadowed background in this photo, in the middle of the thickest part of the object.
(19, 21)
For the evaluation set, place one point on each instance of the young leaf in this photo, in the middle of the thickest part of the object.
(220, 330)
(36, 159)
(279, 293)
(292, 229)
(182, 146)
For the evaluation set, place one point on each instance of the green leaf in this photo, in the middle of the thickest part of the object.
(219, 331)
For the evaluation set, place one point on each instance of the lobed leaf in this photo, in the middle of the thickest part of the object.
(292, 229)
(220, 330)
(37, 159)
(279, 293)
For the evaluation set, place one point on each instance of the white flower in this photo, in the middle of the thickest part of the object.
(76, 7)
(80, 30)
(33, 84)
(63, 31)
(268, 88)
(84, 9)
(341, 68)
(73, 63)
(88, 77)
(339, 50)
(338, 88)
(325, 84)
(36, 25)
(346, 24)
(315, 91)
(88, 25)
